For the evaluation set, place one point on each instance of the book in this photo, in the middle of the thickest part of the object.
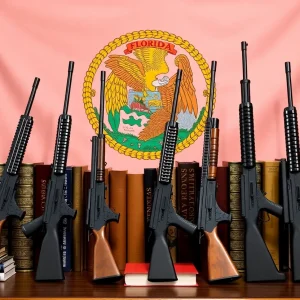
(5, 276)
(5, 261)
(150, 182)
(79, 221)
(270, 228)
(135, 219)
(65, 227)
(20, 247)
(117, 231)
(5, 269)
(186, 195)
(136, 274)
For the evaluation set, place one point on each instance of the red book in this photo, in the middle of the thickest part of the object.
(136, 274)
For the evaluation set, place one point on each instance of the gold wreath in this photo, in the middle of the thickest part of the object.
(123, 39)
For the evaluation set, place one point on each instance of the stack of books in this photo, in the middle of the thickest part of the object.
(7, 265)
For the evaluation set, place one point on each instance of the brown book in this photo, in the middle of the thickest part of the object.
(117, 232)
(79, 221)
(135, 219)
(186, 180)
(270, 228)
(237, 231)
(223, 203)
(20, 246)
(41, 177)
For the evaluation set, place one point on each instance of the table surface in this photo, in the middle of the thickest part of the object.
(79, 285)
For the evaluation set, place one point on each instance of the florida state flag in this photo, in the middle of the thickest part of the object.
(140, 45)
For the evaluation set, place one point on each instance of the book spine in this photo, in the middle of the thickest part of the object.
(66, 225)
(20, 246)
(223, 203)
(4, 231)
(237, 223)
(118, 232)
(150, 182)
(186, 178)
(41, 177)
(271, 227)
(172, 230)
(135, 219)
(79, 221)
(237, 226)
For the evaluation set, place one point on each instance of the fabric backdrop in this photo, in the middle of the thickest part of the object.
(38, 38)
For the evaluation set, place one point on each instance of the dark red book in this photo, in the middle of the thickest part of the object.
(136, 274)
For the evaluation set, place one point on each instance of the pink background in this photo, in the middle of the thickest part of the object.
(38, 38)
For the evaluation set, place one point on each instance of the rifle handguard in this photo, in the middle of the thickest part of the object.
(247, 135)
(62, 144)
(292, 138)
(19, 144)
(167, 153)
(214, 150)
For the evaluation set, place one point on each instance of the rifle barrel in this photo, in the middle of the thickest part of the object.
(212, 87)
(32, 95)
(244, 58)
(176, 95)
(101, 110)
(289, 83)
(68, 87)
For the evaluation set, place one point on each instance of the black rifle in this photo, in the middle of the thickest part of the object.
(163, 214)
(219, 264)
(50, 259)
(290, 177)
(98, 213)
(258, 260)
(10, 176)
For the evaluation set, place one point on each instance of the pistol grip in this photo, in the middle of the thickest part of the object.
(184, 224)
(259, 264)
(111, 216)
(219, 264)
(104, 265)
(161, 264)
(15, 211)
(67, 211)
(50, 265)
(270, 206)
(29, 228)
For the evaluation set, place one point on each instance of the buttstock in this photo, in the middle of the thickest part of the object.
(104, 265)
(219, 264)
(50, 262)
(1, 225)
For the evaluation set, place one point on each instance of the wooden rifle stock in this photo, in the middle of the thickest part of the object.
(104, 266)
(219, 263)
(1, 225)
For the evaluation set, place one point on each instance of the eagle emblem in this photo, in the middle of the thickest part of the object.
(139, 94)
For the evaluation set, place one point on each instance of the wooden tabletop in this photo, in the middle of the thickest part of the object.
(78, 285)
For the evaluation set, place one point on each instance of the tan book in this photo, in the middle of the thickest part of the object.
(117, 231)
(79, 221)
(172, 230)
(270, 229)
(135, 219)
